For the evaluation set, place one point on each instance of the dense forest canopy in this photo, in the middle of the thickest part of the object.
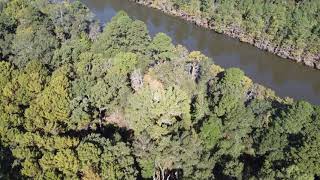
(288, 28)
(81, 102)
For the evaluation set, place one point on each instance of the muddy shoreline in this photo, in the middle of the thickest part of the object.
(262, 43)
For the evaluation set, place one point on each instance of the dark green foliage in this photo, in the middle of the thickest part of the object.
(161, 48)
(34, 39)
(211, 132)
(297, 117)
(227, 92)
(173, 156)
(70, 50)
(122, 34)
(112, 160)
(7, 30)
(111, 90)
(78, 105)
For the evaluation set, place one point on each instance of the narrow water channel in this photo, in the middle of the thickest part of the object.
(286, 78)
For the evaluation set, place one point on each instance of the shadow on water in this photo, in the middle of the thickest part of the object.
(285, 77)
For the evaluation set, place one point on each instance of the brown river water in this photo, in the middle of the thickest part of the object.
(285, 77)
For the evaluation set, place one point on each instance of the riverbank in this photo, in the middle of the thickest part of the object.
(308, 59)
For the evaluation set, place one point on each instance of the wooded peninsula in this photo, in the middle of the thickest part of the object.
(78, 101)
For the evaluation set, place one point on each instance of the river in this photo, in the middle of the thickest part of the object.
(285, 77)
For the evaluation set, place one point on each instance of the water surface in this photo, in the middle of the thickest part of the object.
(285, 77)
